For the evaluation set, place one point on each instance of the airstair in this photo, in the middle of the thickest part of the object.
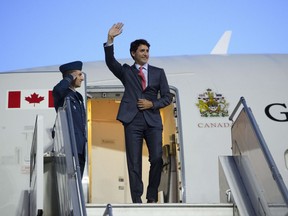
(167, 209)
(250, 176)
(250, 182)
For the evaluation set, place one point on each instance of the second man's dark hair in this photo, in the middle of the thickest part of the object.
(135, 44)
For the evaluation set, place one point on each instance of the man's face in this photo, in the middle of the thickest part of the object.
(141, 56)
(79, 78)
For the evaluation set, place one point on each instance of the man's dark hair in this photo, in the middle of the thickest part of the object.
(135, 44)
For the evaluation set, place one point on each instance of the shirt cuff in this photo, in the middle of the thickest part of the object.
(108, 44)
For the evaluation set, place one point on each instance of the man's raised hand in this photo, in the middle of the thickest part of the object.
(114, 31)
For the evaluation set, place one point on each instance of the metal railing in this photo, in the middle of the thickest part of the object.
(269, 159)
(36, 199)
(259, 174)
(69, 184)
(108, 210)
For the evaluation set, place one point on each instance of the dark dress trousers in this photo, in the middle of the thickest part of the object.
(60, 92)
(139, 125)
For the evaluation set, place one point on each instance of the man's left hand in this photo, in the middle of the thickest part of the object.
(144, 104)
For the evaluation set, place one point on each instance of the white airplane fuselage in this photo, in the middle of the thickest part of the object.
(206, 89)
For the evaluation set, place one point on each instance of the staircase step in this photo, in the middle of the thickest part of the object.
(167, 209)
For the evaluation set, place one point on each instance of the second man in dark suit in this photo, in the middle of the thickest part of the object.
(139, 112)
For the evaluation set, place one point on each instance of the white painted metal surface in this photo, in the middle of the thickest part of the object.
(163, 210)
(37, 176)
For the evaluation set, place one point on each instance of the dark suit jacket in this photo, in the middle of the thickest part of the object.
(60, 92)
(157, 83)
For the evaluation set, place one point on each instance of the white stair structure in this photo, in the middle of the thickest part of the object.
(177, 209)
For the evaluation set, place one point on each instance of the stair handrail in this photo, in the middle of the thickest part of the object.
(271, 163)
(108, 210)
(67, 107)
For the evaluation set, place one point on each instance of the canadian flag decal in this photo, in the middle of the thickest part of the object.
(34, 98)
(30, 99)
(14, 99)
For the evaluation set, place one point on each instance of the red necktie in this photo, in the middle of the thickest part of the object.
(143, 80)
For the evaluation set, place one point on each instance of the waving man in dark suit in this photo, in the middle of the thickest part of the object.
(139, 112)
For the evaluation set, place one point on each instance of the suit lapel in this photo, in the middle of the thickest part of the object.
(149, 75)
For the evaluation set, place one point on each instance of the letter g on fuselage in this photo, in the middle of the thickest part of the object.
(268, 112)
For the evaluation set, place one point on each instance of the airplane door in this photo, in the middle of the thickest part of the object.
(108, 174)
(107, 158)
(108, 179)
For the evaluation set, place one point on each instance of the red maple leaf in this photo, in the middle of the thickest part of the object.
(34, 98)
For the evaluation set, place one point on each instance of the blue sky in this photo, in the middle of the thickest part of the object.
(39, 33)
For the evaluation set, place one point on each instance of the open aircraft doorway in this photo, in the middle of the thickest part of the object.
(107, 168)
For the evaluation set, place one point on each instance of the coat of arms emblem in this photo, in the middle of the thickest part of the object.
(212, 104)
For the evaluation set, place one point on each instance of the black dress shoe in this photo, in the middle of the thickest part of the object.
(138, 200)
(151, 201)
